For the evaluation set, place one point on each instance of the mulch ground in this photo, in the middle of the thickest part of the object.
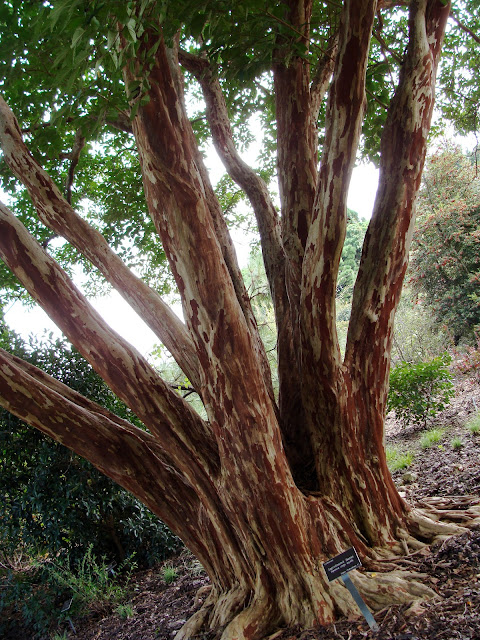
(451, 567)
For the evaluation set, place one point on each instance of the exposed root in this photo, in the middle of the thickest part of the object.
(253, 622)
(380, 590)
(462, 509)
(198, 620)
(246, 613)
(240, 615)
(396, 587)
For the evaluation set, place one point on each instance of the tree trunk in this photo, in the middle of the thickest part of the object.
(261, 492)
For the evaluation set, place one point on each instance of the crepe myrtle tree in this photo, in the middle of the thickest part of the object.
(265, 488)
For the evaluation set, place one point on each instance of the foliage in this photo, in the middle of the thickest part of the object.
(82, 100)
(419, 391)
(457, 443)
(417, 336)
(51, 591)
(91, 581)
(473, 425)
(445, 264)
(431, 437)
(52, 499)
(398, 460)
(352, 251)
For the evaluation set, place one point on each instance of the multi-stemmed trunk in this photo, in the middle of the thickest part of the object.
(262, 491)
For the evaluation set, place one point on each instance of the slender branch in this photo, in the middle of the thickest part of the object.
(374, 97)
(75, 157)
(385, 47)
(122, 122)
(323, 74)
(239, 171)
(56, 213)
(464, 27)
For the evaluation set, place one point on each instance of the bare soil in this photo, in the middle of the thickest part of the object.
(451, 568)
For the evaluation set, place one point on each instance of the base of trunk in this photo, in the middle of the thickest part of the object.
(252, 614)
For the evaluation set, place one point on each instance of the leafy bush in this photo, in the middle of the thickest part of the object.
(92, 581)
(417, 336)
(49, 592)
(445, 260)
(52, 500)
(419, 391)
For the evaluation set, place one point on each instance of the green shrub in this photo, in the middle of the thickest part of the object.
(92, 581)
(49, 592)
(419, 391)
(428, 439)
(53, 501)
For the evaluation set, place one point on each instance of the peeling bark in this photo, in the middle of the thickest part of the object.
(57, 214)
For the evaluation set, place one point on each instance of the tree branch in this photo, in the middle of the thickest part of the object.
(56, 213)
(296, 144)
(323, 74)
(239, 171)
(74, 158)
(403, 147)
(167, 416)
(464, 27)
(345, 112)
(131, 457)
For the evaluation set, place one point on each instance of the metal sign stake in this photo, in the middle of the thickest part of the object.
(339, 567)
(360, 602)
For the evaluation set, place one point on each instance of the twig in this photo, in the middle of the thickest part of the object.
(464, 27)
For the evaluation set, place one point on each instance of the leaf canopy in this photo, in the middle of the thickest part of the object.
(61, 64)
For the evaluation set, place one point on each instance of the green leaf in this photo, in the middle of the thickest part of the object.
(77, 36)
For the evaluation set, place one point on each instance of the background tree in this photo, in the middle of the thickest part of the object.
(249, 488)
(445, 263)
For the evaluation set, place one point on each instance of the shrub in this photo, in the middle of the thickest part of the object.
(51, 500)
(419, 391)
(49, 592)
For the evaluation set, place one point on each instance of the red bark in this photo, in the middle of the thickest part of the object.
(262, 492)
